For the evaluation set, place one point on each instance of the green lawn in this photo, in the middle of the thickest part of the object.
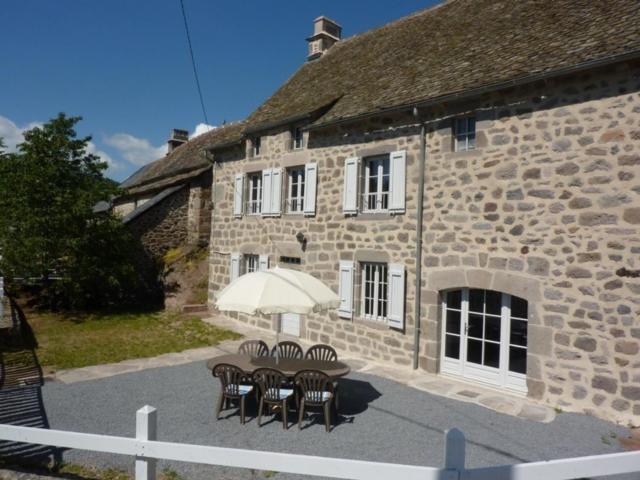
(80, 340)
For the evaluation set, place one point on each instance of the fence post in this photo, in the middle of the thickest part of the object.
(454, 450)
(146, 429)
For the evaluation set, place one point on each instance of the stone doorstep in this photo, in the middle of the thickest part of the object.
(195, 308)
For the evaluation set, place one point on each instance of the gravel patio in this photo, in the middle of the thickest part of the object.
(381, 421)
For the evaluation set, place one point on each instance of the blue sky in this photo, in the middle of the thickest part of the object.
(124, 66)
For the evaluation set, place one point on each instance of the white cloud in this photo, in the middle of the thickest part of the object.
(201, 128)
(13, 135)
(105, 157)
(131, 152)
(138, 151)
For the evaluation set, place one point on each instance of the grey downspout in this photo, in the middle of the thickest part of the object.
(420, 200)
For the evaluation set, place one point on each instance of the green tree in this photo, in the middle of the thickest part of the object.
(48, 229)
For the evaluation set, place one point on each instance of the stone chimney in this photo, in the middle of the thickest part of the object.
(326, 32)
(177, 138)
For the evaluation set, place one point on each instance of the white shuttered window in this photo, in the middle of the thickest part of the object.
(395, 316)
(276, 191)
(350, 192)
(263, 263)
(311, 180)
(271, 191)
(374, 291)
(254, 194)
(238, 189)
(345, 310)
(266, 191)
(398, 167)
(234, 267)
(375, 184)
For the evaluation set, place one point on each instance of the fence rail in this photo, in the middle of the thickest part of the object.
(147, 450)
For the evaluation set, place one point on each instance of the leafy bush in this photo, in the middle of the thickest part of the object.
(49, 230)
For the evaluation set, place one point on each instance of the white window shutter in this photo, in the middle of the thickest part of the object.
(310, 182)
(395, 317)
(263, 263)
(234, 267)
(238, 190)
(350, 193)
(398, 174)
(345, 277)
(266, 192)
(276, 191)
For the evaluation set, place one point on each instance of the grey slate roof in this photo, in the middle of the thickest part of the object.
(184, 162)
(456, 46)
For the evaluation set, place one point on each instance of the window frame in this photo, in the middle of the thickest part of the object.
(382, 197)
(370, 305)
(458, 365)
(250, 203)
(250, 263)
(464, 133)
(256, 146)
(301, 189)
(297, 138)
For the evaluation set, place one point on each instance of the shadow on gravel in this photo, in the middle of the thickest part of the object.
(21, 383)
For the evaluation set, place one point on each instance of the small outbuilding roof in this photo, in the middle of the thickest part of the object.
(183, 162)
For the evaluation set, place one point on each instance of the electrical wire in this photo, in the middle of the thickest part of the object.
(193, 64)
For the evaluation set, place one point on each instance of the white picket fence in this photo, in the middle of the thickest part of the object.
(147, 450)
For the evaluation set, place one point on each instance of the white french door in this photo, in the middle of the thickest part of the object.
(484, 337)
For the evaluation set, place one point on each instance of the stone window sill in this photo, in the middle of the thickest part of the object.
(373, 216)
(370, 323)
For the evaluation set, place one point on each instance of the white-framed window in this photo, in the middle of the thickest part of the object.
(375, 186)
(295, 189)
(464, 134)
(297, 138)
(251, 263)
(484, 337)
(256, 146)
(254, 193)
(374, 291)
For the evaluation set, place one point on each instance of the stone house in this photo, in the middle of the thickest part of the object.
(468, 179)
(167, 203)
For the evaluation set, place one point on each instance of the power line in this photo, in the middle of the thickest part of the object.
(193, 64)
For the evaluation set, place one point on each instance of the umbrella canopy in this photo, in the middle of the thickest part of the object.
(277, 290)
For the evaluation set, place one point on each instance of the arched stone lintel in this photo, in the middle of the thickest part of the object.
(517, 285)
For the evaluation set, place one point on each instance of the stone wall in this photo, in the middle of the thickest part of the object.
(183, 218)
(330, 236)
(546, 208)
(165, 225)
(199, 210)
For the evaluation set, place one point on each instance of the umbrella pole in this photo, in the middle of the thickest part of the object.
(278, 320)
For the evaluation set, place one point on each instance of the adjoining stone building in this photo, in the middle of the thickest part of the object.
(167, 203)
(523, 121)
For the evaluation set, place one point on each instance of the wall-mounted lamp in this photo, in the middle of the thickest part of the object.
(301, 240)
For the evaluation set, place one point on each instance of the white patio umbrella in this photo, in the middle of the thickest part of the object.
(276, 291)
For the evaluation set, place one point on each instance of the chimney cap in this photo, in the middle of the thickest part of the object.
(326, 33)
(179, 134)
(329, 20)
